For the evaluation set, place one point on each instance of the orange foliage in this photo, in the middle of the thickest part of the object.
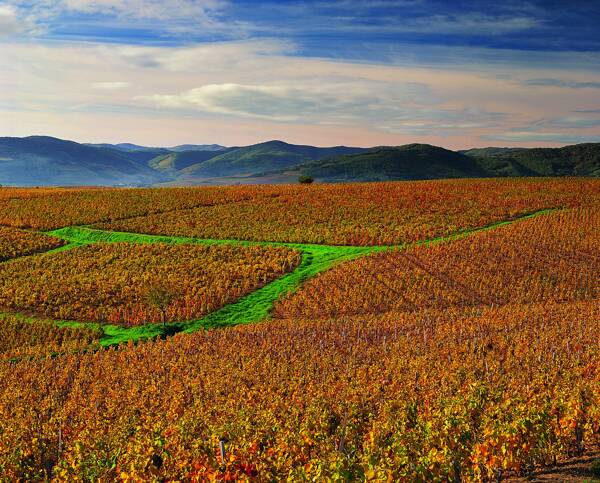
(110, 282)
(28, 193)
(470, 360)
(28, 337)
(345, 214)
(554, 257)
(368, 213)
(47, 209)
(400, 397)
(16, 243)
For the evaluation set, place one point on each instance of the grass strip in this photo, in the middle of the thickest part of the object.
(250, 308)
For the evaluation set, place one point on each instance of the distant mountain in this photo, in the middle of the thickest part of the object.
(412, 161)
(167, 160)
(41, 160)
(128, 147)
(197, 147)
(492, 151)
(142, 154)
(575, 160)
(174, 162)
(271, 155)
(423, 161)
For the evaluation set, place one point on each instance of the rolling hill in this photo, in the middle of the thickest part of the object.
(197, 147)
(575, 160)
(42, 160)
(412, 161)
(128, 147)
(423, 161)
(175, 162)
(268, 156)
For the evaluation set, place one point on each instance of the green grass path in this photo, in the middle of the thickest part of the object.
(254, 307)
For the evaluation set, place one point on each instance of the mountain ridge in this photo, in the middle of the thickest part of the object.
(271, 155)
(44, 160)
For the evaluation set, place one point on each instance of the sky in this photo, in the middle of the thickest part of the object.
(455, 73)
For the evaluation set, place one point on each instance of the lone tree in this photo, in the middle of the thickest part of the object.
(160, 298)
(305, 179)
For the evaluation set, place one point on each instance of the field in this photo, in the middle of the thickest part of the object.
(411, 331)
(45, 209)
(378, 214)
(357, 214)
(17, 243)
(552, 257)
(115, 283)
(26, 337)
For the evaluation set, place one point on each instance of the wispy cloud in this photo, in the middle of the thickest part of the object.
(202, 57)
(381, 71)
(569, 84)
(109, 17)
(567, 122)
(110, 86)
(158, 9)
(465, 24)
(341, 102)
(13, 22)
(552, 137)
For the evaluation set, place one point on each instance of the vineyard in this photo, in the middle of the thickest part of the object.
(374, 214)
(350, 398)
(24, 337)
(379, 214)
(554, 257)
(45, 209)
(412, 331)
(17, 243)
(115, 283)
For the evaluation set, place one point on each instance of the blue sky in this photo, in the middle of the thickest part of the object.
(321, 28)
(460, 73)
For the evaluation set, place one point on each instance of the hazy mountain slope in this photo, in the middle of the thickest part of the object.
(261, 157)
(197, 147)
(176, 161)
(41, 160)
(128, 147)
(413, 161)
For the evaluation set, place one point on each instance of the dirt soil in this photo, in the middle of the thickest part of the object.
(577, 469)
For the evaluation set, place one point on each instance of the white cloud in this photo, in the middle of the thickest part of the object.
(164, 16)
(274, 102)
(318, 102)
(155, 9)
(256, 89)
(9, 21)
(423, 121)
(471, 23)
(201, 58)
(110, 86)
